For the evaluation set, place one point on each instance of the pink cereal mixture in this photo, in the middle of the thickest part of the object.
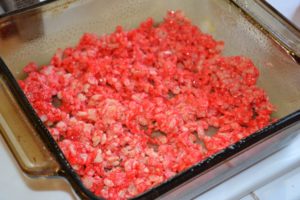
(131, 109)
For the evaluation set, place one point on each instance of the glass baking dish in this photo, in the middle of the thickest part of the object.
(249, 28)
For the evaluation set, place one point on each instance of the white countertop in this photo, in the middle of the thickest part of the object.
(274, 178)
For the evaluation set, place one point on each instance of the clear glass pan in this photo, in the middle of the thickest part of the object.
(249, 28)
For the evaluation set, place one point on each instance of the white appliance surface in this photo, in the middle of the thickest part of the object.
(276, 177)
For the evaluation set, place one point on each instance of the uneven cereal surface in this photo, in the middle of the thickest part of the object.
(132, 108)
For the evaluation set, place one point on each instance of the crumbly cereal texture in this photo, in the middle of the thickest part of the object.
(133, 108)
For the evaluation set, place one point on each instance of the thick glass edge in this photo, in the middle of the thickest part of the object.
(203, 166)
(280, 16)
(271, 22)
(222, 156)
(36, 5)
(66, 169)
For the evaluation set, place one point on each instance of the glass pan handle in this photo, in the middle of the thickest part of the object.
(26, 146)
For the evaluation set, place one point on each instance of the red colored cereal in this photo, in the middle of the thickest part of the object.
(133, 108)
